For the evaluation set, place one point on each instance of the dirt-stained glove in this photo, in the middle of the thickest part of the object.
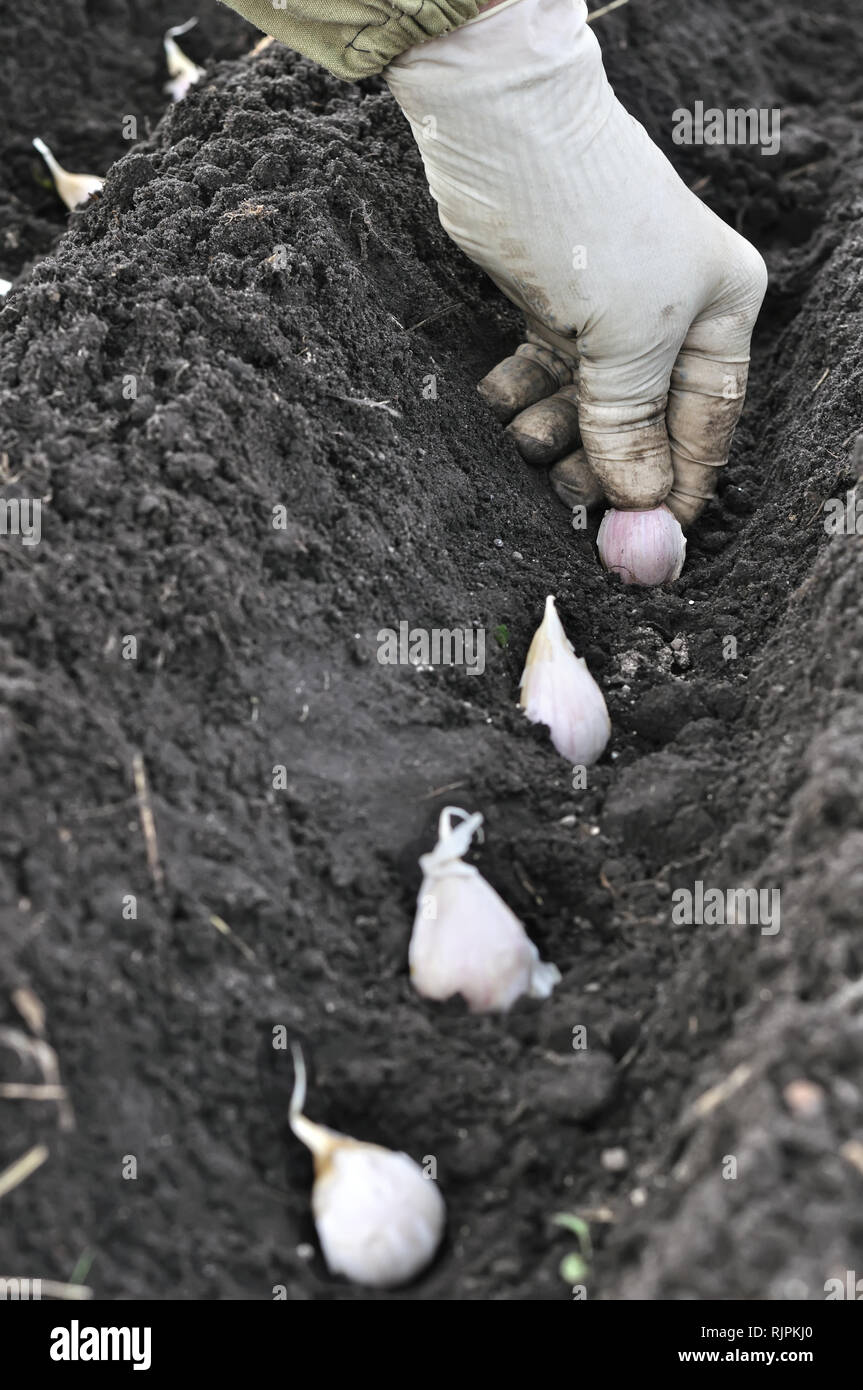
(640, 302)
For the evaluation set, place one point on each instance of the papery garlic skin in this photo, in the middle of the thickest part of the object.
(74, 189)
(465, 939)
(379, 1219)
(558, 690)
(643, 547)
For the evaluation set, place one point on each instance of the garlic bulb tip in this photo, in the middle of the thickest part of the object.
(558, 690)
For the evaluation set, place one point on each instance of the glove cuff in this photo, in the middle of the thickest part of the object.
(356, 38)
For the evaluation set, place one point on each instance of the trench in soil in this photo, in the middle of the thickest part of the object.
(256, 649)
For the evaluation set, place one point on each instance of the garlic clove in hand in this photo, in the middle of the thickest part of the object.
(184, 73)
(74, 189)
(465, 939)
(646, 547)
(379, 1218)
(558, 690)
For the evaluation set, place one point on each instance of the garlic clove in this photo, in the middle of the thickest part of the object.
(184, 73)
(643, 547)
(5, 287)
(379, 1219)
(558, 690)
(465, 940)
(74, 189)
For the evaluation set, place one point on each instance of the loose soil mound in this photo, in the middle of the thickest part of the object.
(260, 311)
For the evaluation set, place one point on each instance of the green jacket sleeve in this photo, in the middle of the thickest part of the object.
(355, 38)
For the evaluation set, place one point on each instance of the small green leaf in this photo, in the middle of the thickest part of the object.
(579, 1228)
(82, 1267)
(573, 1269)
(501, 634)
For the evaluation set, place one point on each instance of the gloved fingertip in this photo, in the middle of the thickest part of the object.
(574, 482)
(546, 430)
(686, 509)
(631, 493)
(627, 447)
(513, 385)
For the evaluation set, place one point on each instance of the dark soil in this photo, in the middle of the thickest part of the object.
(253, 369)
(74, 73)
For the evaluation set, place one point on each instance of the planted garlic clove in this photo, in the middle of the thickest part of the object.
(465, 939)
(184, 73)
(5, 287)
(379, 1218)
(558, 690)
(642, 547)
(74, 189)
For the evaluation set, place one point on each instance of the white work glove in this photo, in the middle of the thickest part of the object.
(633, 290)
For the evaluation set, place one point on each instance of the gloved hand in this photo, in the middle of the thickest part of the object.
(639, 301)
